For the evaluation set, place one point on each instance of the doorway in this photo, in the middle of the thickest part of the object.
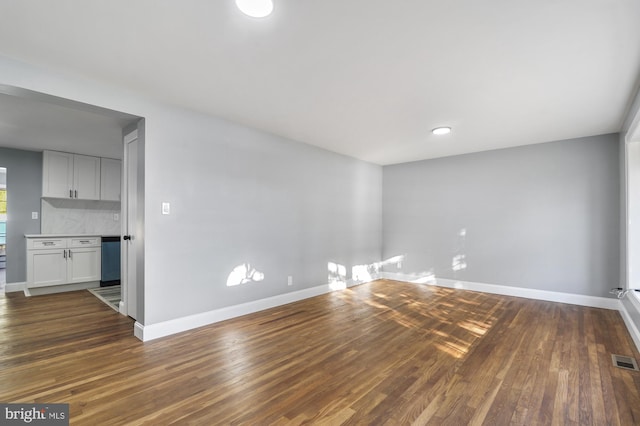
(64, 125)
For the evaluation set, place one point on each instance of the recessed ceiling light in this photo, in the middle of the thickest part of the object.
(255, 8)
(441, 130)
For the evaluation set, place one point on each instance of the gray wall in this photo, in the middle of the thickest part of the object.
(24, 189)
(240, 196)
(541, 216)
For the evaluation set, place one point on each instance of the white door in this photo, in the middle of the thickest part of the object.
(57, 174)
(83, 264)
(110, 179)
(133, 238)
(47, 267)
(86, 177)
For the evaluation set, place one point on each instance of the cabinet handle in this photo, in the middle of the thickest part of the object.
(85, 241)
(64, 254)
(69, 254)
(47, 243)
(71, 193)
(76, 191)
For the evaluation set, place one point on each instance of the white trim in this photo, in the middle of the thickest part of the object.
(628, 321)
(122, 308)
(138, 330)
(531, 293)
(625, 201)
(528, 293)
(130, 137)
(633, 134)
(14, 287)
(166, 328)
(410, 278)
(38, 291)
(635, 299)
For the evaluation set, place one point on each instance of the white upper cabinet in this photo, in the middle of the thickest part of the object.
(86, 177)
(73, 176)
(57, 174)
(110, 177)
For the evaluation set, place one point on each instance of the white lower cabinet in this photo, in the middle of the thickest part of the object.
(73, 260)
(46, 267)
(83, 264)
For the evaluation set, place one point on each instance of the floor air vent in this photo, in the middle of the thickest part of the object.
(625, 362)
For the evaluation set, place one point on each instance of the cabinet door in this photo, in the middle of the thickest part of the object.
(110, 176)
(86, 177)
(46, 267)
(57, 174)
(83, 265)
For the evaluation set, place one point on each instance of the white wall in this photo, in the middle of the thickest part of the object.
(237, 195)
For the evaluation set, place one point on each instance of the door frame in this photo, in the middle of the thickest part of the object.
(127, 306)
(631, 234)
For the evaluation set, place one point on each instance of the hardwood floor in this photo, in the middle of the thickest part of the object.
(380, 353)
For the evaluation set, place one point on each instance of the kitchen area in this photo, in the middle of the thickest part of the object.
(79, 244)
(63, 192)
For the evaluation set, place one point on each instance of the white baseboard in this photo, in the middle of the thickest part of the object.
(38, 291)
(425, 278)
(166, 328)
(528, 293)
(629, 311)
(138, 330)
(14, 287)
(628, 321)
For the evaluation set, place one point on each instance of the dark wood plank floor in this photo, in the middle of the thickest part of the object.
(380, 353)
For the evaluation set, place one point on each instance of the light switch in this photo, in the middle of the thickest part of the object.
(116, 216)
(34, 215)
(166, 208)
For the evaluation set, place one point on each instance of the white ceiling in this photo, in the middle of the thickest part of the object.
(367, 78)
(33, 124)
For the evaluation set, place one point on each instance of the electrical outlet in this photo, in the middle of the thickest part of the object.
(116, 216)
(290, 280)
(34, 215)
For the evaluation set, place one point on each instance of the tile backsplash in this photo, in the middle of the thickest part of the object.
(79, 217)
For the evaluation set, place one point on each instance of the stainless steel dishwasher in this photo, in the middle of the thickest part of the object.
(110, 261)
